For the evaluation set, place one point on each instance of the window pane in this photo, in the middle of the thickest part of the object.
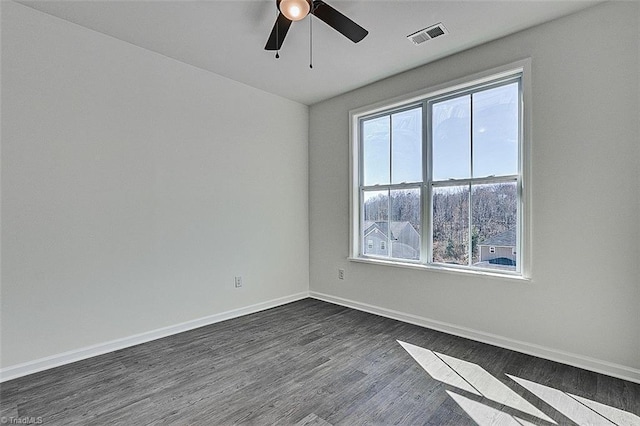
(451, 225)
(494, 218)
(495, 131)
(375, 227)
(405, 224)
(376, 148)
(406, 146)
(452, 138)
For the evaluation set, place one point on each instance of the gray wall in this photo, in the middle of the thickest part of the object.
(585, 290)
(134, 189)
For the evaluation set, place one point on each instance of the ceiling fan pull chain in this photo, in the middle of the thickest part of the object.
(310, 43)
(277, 28)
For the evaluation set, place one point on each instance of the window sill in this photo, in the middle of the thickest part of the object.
(441, 268)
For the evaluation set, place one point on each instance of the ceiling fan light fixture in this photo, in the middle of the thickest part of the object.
(294, 10)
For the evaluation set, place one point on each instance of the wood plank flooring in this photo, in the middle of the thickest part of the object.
(313, 363)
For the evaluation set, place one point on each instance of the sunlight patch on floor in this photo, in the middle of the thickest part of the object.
(617, 416)
(580, 410)
(437, 368)
(471, 378)
(485, 415)
(492, 388)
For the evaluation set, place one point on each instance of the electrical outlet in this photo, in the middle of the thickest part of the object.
(341, 274)
(238, 282)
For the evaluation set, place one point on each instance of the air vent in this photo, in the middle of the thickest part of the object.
(428, 33)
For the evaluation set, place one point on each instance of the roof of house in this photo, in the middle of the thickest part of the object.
(396, 227)
(504, 239)
(370, 225)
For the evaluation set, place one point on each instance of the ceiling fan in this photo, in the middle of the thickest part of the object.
(295, 10)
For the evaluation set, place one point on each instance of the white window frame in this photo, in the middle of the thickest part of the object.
(523, 249)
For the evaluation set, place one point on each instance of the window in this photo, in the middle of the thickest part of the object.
(439, 178)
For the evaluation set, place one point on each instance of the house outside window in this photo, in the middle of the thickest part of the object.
(440, 178)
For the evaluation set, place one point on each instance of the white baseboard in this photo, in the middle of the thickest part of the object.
(596, 365)
(591, 364)
(19, 370)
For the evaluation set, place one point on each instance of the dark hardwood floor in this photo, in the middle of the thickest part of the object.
(315, 363)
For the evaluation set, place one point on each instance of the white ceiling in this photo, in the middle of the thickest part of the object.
(228, 37)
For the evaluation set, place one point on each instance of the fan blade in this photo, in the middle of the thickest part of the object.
(278, 33)
(338, 21)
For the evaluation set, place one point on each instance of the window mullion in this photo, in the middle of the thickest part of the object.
(412, 185)
(476, 181)
(361, 223)
(469, 198)
(390, 149)
(389, 244)
(389, 206)
(427, 207)
(520, 184)
(469, 233)
(361, 190)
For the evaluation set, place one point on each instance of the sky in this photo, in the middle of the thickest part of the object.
(465, 145)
